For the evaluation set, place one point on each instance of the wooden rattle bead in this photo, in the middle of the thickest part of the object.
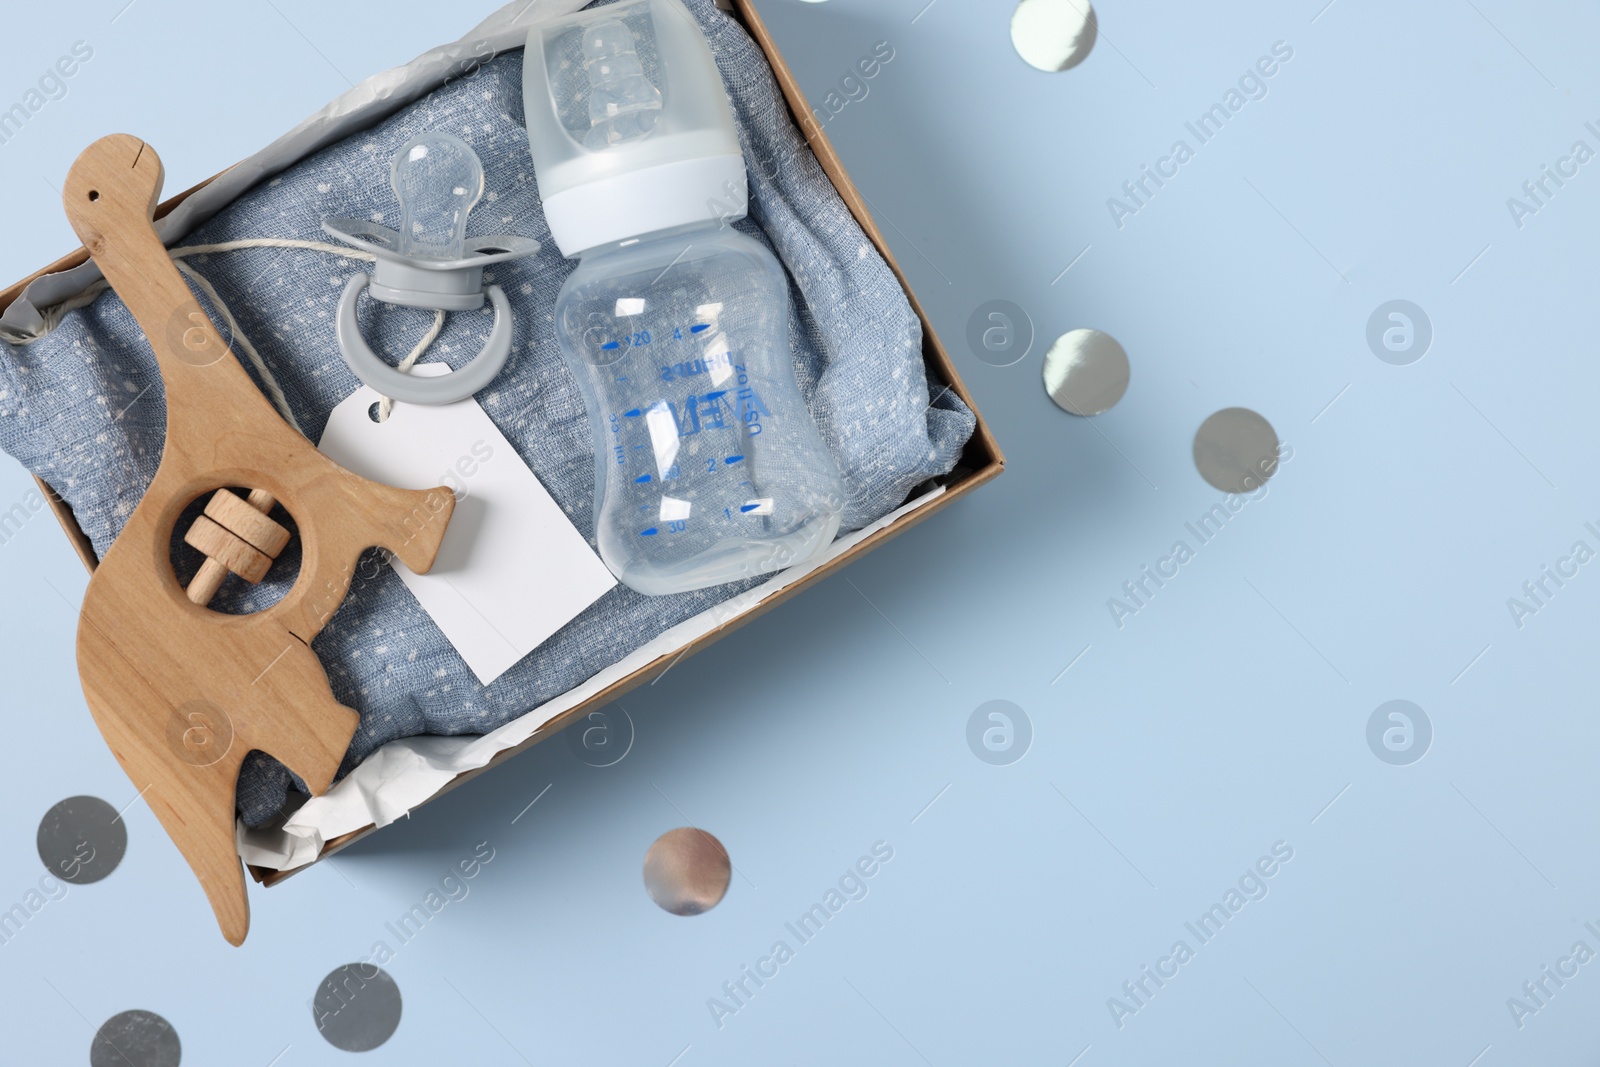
(246, 523)
(212, 572)
(231, 551)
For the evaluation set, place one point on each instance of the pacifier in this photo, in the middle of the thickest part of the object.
(429, 263)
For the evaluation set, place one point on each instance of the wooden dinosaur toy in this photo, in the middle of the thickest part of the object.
(182, 693)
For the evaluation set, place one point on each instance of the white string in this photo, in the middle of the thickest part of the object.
(272, 242)
(274, 390)
(386, 405)
(52, 316)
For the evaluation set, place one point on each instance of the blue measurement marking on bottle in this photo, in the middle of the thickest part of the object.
(749, 507)
(701, 328)
(633, 413)
(609, 345)
(642, 479)
(730, 460)
(649, 533)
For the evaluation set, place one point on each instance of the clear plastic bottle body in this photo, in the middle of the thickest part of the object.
(708, 466)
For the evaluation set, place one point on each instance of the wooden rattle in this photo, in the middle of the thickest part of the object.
(182, 693)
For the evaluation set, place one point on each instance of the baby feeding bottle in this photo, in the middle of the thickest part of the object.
(708, 467)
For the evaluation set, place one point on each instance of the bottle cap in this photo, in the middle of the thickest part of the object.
(629, 125)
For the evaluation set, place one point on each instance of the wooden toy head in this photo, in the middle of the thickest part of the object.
(182, 693)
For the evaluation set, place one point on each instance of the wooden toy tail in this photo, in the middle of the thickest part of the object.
(181, 693)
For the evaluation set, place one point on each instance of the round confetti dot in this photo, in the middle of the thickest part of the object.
(357, 1007)
(1054, 35)
(1086, 372)
(1236, 450)
(81, 840)
(135, 1039)
(687, 871)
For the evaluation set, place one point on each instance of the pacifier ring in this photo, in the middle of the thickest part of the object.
(445, 389)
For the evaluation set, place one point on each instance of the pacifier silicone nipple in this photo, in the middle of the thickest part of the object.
(438, 179)
(623, 104)
(429, 263)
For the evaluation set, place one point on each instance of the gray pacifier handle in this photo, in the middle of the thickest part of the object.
(445, 389)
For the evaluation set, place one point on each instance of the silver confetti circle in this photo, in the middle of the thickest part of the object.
(1236, 450)
(1054, 35)
(687, 871)
(82, 840)
(357, 1007)
(135, 1039)
(1086, 372)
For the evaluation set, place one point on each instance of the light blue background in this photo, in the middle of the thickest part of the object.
(1227, 715)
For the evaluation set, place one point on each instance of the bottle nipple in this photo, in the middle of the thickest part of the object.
(438, 179)
(623, 104)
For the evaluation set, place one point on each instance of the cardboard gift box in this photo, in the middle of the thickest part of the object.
(980, 462)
